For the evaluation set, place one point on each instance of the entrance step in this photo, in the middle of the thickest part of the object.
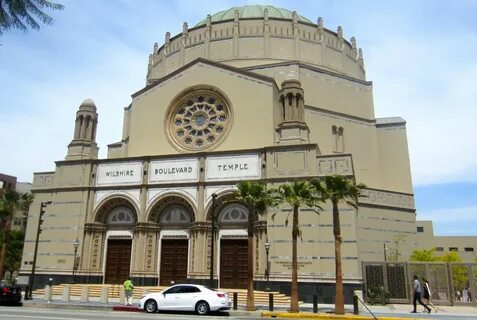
(261, 297)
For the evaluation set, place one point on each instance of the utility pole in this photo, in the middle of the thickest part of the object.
(38, 231)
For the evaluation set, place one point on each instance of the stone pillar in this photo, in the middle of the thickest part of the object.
(66, 293)
(104, 295)
(85, 294)
(236, 35)
(48, 293)
(122, 295)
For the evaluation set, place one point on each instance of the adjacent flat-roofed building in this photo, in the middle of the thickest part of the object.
(250, 93)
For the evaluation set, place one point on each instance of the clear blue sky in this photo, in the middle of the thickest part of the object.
(419, 54)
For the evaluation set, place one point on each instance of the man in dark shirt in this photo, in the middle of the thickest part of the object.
(416, 295)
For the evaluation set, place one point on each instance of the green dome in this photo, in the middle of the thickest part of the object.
(255, 11)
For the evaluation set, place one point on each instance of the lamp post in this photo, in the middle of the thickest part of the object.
(267, 271)
(38, 231)
(212, 240)
(76, 246)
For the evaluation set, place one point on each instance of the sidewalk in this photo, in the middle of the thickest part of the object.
(391, 311)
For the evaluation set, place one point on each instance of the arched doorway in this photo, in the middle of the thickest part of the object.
(174, 216)
(233, 246)
(119, 223)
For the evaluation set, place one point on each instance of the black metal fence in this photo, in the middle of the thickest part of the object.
(451, 283)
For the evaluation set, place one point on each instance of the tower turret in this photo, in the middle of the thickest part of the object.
(292, 128)
(83, 145)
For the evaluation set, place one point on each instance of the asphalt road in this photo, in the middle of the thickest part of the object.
(30, 313)
(21, 313)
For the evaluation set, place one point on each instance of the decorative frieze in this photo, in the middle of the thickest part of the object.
(43, 179)
(387, 198)
(330, 165)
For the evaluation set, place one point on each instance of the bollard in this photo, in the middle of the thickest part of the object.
(122, 296)
(355, 305)
(66, 293)
(48, 293)
(104, 294)
(85, 294)
(235, 300)
(270, 302)
(315, 303)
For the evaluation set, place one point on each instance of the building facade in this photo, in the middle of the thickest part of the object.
(250, 93)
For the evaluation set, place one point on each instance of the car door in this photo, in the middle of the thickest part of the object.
(188, 298)
(170, 299)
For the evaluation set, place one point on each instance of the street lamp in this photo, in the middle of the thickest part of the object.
(267, 271)
(212, 240)
(76, 246)
(38, 231)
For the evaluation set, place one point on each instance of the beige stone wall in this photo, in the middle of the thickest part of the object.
(378, 226)
(253, 113)
(243, 42)
(394, 159)
(466, 246)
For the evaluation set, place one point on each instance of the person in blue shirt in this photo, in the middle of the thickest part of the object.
(416, 295)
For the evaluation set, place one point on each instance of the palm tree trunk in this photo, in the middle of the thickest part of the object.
(294, 285)
(250, 306)
(339, 299)
(3, 252)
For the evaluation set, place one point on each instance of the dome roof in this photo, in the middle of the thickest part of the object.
(255, 11)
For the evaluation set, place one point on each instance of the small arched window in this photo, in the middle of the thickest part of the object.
(234, 213)
(175, 214)
(120, 215)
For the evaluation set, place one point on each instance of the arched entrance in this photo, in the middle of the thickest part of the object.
(233, 221)
(174, 215)
(119, 223)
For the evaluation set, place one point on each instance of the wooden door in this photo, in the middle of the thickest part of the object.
(174, 254)
(233, 264)
(118, 260)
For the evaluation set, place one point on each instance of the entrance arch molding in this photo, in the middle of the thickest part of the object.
(189, 204)
(99, 216)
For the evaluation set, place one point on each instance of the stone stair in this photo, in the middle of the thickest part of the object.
(261, 297)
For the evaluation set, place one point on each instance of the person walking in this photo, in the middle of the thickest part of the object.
(416, 295)
(426, 294)
(128, 290)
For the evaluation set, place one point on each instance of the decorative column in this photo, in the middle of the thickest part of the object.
(236, 35)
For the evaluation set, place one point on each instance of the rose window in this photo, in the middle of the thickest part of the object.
(199, 121)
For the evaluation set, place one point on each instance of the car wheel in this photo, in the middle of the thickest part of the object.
(202, 308)
(150, 306)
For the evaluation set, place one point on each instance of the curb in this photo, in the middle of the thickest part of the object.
(67, 306)
(322, 316)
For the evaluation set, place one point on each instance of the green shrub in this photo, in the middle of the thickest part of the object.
(377, 295)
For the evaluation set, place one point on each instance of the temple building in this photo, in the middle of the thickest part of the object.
(249, 93)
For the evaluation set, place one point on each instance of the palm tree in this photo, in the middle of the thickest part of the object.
(20, 14)
(257, 198)
(10, 201)
(338, 188)
(297, 194)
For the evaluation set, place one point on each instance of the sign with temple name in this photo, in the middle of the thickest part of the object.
(122, 173)
(233, 167)
(179, 170)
